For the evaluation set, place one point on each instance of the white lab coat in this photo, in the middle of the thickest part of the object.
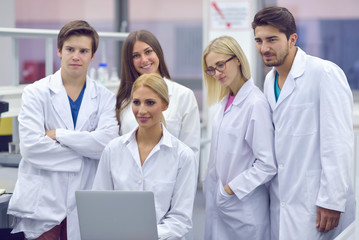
(51, 171)
(182, 117)
(313, 146)
(169, 172)
(242, 156)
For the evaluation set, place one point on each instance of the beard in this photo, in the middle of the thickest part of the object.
(281, 57)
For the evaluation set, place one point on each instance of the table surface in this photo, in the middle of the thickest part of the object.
(5, 198)
(9, 160)
(8, 177)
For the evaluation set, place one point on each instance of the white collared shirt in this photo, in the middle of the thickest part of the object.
(182, 117)
(168, 171)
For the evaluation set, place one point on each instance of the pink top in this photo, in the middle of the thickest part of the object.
(229, 102)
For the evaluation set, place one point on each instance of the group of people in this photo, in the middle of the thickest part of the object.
(279, 165)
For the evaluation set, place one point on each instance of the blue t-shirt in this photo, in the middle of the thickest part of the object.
(75, 105)
(276, 87)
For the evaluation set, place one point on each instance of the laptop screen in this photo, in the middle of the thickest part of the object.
(118, 215)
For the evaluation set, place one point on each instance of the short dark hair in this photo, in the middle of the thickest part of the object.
(278, 17)
(77, 28)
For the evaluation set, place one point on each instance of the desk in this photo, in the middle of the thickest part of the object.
(9, 160)
(5, 198)
(4, 218)
(8, 177)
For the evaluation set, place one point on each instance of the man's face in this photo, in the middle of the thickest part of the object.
(76, 55)
(272, 45)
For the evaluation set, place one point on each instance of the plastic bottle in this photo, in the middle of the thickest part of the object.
(92, 73)
(114, 75)
(102, 73)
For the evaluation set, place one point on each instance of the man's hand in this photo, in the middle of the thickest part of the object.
(51, 134)
(327, 219)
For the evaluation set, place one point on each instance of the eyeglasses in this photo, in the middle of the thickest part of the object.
(220, 66)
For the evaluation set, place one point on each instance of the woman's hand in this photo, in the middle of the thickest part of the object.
(228, 190)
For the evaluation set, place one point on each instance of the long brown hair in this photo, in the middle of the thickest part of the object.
(128, 71)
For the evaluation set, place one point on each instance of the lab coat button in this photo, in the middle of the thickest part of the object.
(282, 204)
(281, 166)
(68, 211)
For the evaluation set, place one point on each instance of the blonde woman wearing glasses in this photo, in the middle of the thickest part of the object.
(241, 158)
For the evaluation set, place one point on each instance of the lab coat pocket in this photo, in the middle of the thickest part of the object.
(236, 214)
(163, 192)
(93, 121)
(223, 199)
(303, 120)
(312, 189)
(24, 200)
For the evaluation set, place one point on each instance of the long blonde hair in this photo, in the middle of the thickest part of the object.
(157, 84)
(223, 45)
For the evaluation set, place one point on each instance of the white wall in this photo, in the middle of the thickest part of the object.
(7, 19)
(165, 10)
(323, 9)
(64, 10)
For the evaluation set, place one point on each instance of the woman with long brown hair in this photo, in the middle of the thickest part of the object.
(142, 53)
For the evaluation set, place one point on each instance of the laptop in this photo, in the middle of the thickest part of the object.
(117, 215)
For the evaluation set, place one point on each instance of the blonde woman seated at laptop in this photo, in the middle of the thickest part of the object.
(150, 159)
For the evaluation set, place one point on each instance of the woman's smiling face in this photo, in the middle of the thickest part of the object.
(145, 60)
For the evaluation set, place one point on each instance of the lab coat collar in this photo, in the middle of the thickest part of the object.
(270, 79)
(243, 92)
(295, 72)
(60, 99)
(55, 82)
(240, 96)
(89, 103)
(299, 63)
